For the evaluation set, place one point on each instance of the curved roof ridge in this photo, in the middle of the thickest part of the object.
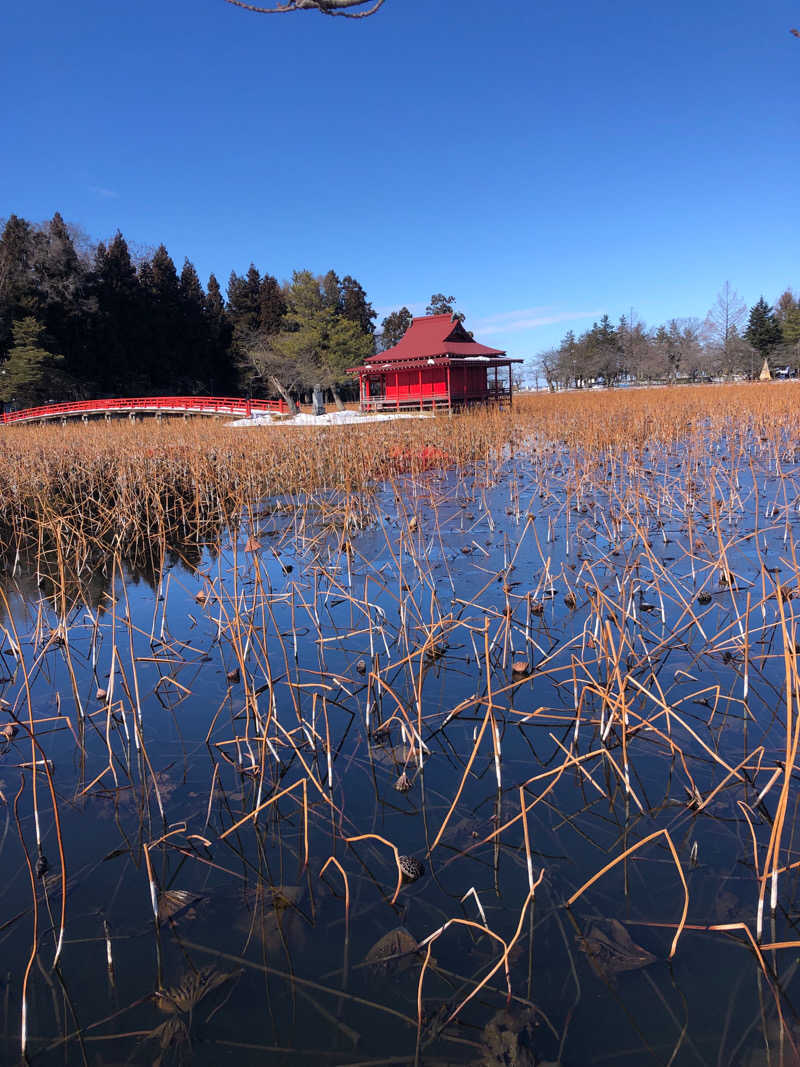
(431, 335)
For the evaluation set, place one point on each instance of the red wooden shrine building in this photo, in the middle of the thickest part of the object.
(435, 364)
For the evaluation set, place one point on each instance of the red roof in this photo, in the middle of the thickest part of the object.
(431, 336)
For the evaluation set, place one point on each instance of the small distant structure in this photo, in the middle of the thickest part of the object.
(436, 364)
(765, 375)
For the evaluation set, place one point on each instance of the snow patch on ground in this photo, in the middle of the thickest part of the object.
(331, 418)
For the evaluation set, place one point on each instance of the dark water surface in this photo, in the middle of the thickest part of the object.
(173, 711)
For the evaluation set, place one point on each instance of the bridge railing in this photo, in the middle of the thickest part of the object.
(208, 405)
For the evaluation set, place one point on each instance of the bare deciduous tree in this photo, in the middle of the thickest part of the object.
(263, 365)
(349, 9)
(722, 328)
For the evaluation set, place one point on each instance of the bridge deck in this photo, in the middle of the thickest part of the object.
(167, 405)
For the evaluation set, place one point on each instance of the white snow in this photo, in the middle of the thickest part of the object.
(332, 418)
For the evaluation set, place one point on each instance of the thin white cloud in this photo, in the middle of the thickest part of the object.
(505, 321)
(527, 319)
(105, 194)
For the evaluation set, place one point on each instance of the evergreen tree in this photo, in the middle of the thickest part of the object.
(763, 329)
(213, 302)
(318, 344)
(167, 362)
(190, 289)
(602, 349)
(394, 326)
(220, 335)
(195, 340)
(118, 329)
(244, 301)
(568, 363)
(57, 270)
(271, 305)
(17, 279)
(32, 374)
(443, 305)
(354, 305)
(63, 297)
(331, 294)
(347, 345)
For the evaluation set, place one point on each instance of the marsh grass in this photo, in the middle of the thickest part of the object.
(368, 597)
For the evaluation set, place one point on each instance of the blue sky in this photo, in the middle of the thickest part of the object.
(542, 162)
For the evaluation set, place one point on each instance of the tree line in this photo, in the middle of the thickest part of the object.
(80, 320)
(730, 342)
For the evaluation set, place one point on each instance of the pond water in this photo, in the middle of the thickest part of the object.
(598, 643)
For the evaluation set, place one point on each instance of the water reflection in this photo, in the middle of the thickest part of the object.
(250, 747)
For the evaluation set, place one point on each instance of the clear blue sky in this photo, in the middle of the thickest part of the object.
(539, 160)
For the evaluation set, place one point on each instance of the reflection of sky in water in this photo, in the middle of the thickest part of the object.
(310, 619)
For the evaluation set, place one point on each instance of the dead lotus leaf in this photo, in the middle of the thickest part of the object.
(395, 756)
(508, 1038)
(170, 1034)
(273, 915)
(394, 953)
(174, 901)
(726, 906)
(192, 988)
(611, 950)
(278, 897)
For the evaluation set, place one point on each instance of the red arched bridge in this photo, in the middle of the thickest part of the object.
(147, 405)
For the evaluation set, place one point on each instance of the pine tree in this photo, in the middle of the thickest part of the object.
(602, 351)
(244, 301)
(330, 290)
(443, 305)
(63, 298)
(189, 288)
(213, 302)
(32, 374)
(167, 360)
(195, 340)
(119, 330)
(569, 363)
(271, 305)
(394, 326)
(317, 345)
(223, 376)
(347, 345)
(763, 329)
(255, 312)
(17, 279)
(354, 304)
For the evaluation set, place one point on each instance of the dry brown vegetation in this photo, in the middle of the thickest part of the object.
(574, 622)
(127, 487)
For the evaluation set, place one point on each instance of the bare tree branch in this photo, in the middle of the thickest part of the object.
(327, 7)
